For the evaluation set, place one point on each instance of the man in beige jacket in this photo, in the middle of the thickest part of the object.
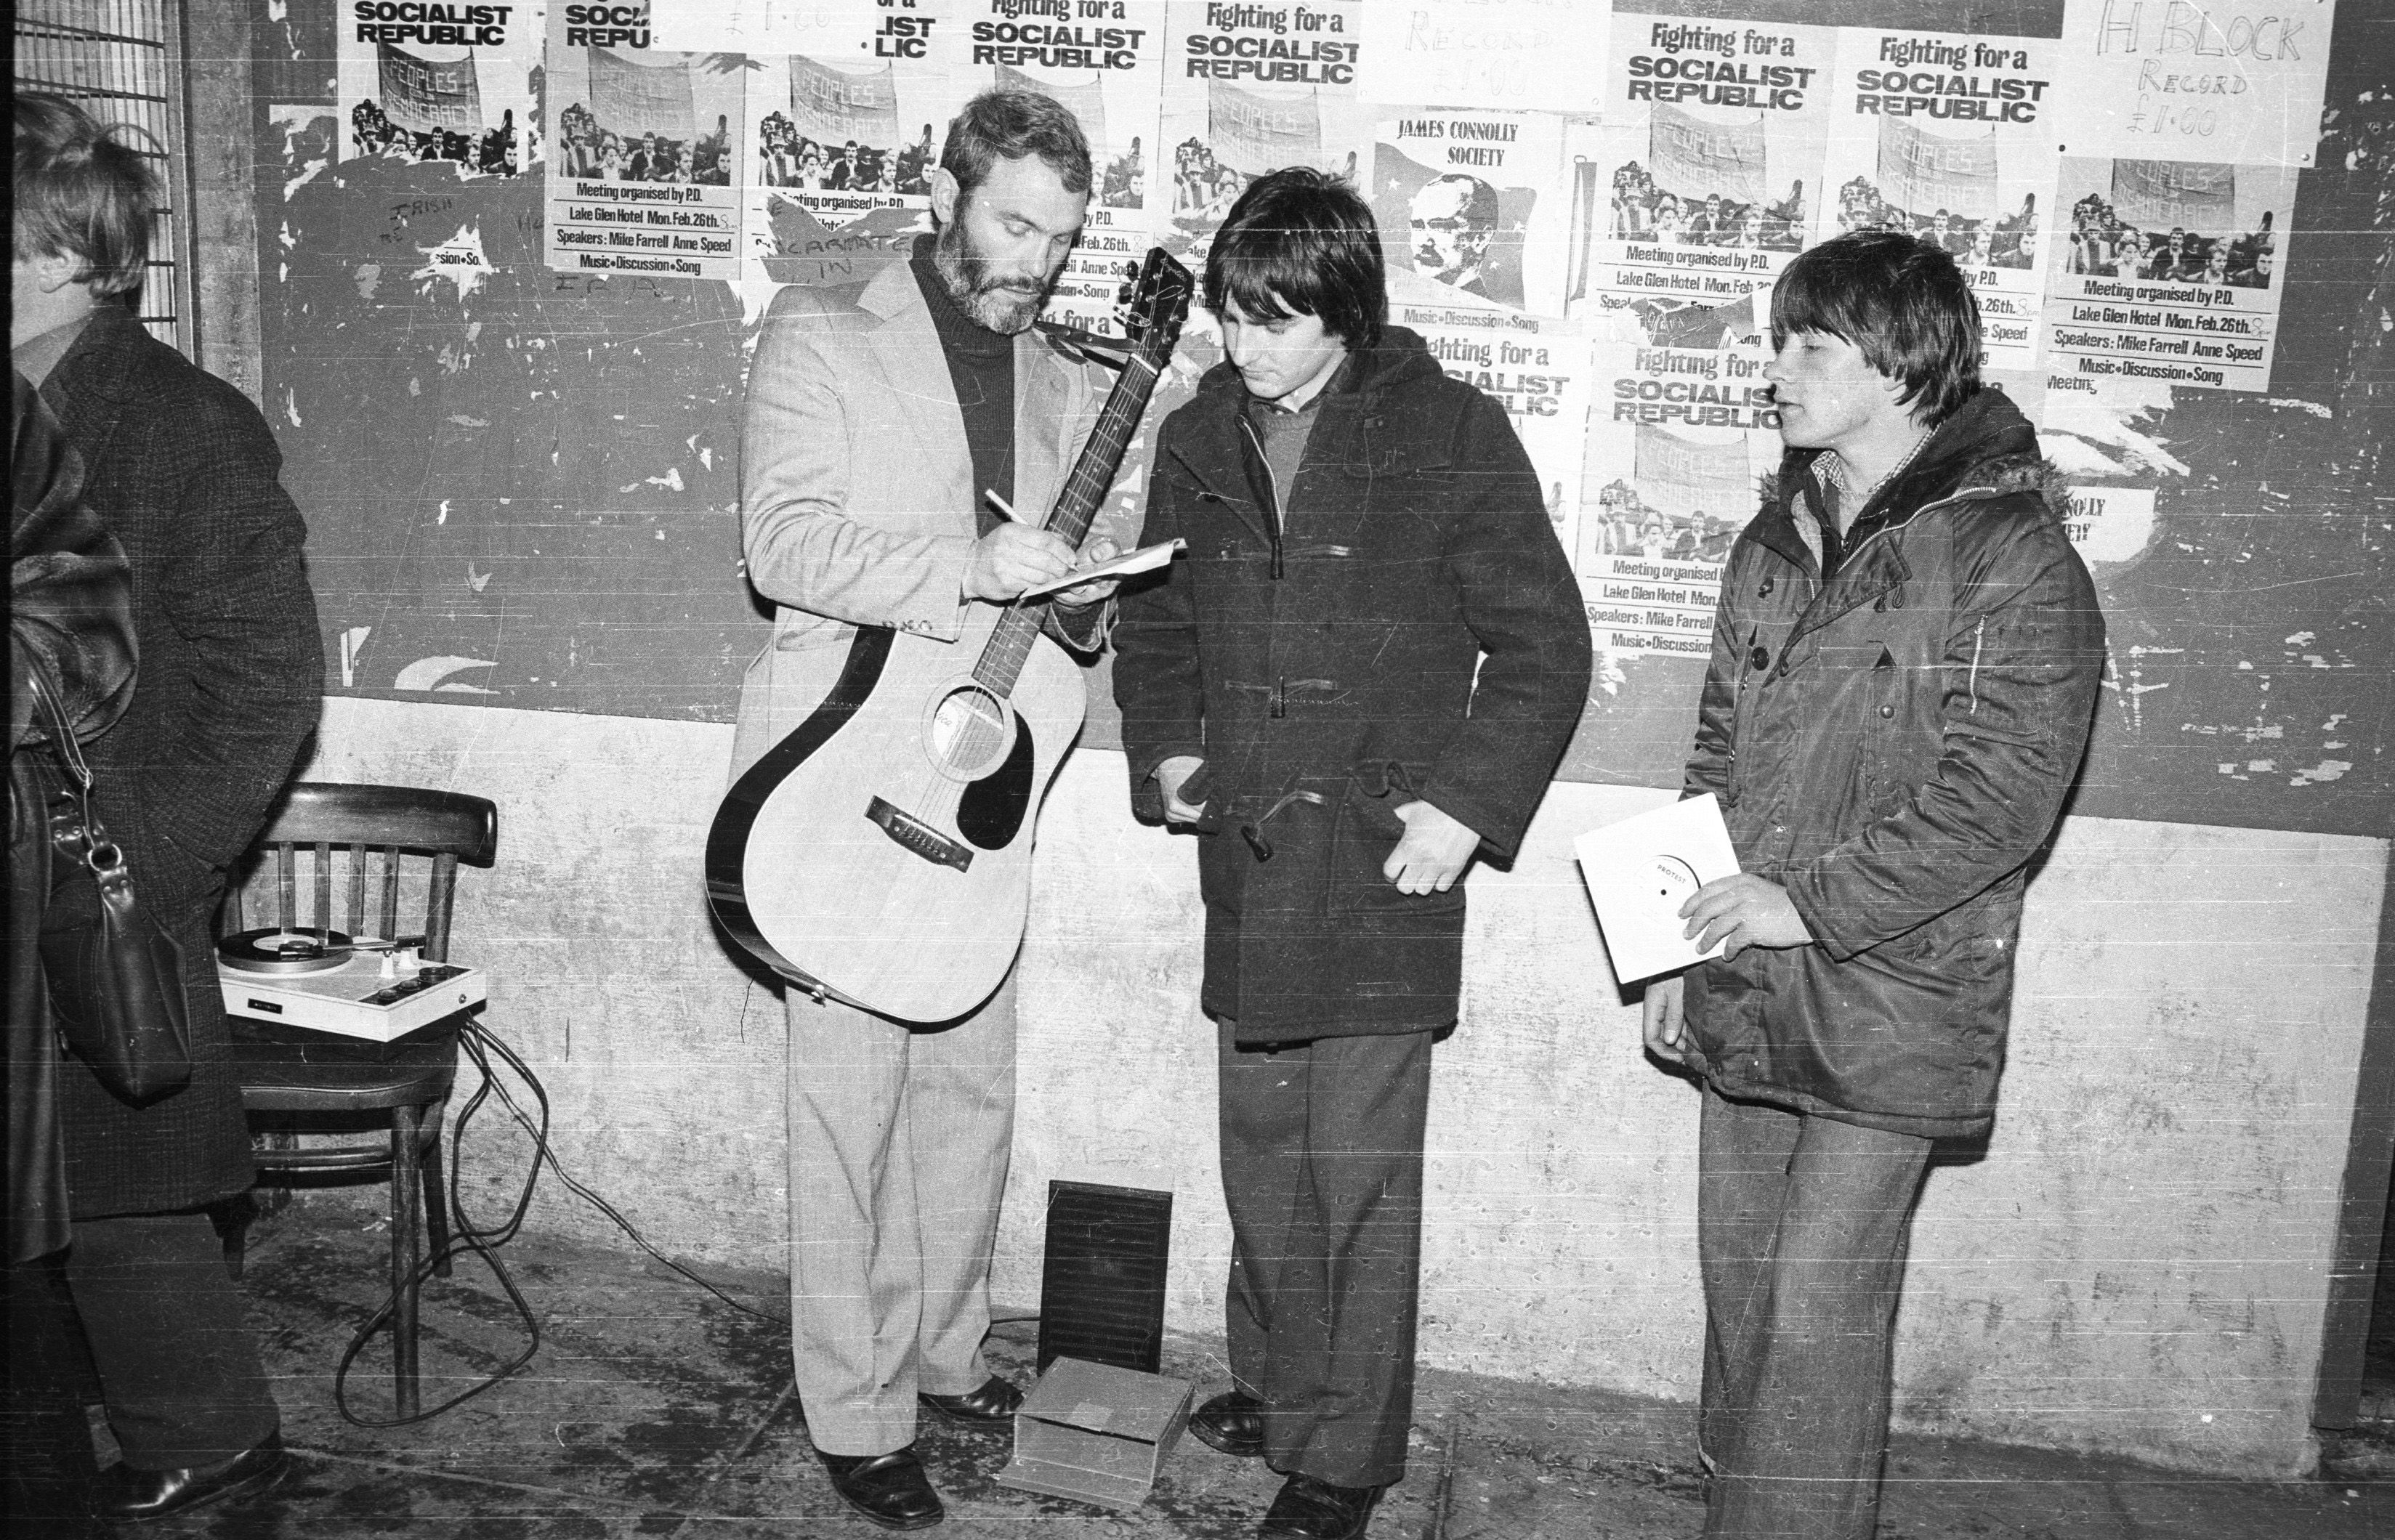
(873, 429)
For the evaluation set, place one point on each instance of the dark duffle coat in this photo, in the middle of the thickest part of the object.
(1328, 647)
(182, 470)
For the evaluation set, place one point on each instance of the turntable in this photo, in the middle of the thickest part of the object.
(325, 981)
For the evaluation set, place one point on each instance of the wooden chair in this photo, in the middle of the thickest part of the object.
(382, 840)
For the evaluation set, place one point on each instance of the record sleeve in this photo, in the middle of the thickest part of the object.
(1639, 872)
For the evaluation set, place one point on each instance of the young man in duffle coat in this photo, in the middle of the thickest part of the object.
(1362, 533)
(1905, 663)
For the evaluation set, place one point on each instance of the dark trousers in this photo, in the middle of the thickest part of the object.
(46, 1454)
(1802, 1228)
(179, 1366)
(1322, 1168)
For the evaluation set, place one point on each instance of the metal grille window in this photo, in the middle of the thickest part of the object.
(120, 59)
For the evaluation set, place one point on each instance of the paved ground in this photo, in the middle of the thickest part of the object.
(655, 1410)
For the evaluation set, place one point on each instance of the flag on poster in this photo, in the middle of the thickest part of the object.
(2168, 277)
(1951, 139)
(1545, 56)
(2193, 80)
(460, 93)
(1245, 92)
(1702, 180)
(1677, 445)
(1471, 208)
(844, 133)
(1536, 368)
(646, 177)
(1109, 73)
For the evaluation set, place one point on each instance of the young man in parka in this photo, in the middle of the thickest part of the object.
(1905, 661)
(1362, 533)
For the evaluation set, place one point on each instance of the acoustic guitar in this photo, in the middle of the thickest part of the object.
(880, 853)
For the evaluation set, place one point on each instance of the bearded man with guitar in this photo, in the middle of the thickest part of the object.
(875, 430)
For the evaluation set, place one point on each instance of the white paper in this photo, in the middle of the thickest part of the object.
(1145, 559)
(2229, 82)
(1541, 55)
(1641, 870)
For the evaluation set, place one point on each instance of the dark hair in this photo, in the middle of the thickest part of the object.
(1301, 242)
(1013, 125)
(1900, 301)
(82, 191)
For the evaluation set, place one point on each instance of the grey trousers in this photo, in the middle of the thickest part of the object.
(898, 1147)
(1801, 1228)
(1322, 1169)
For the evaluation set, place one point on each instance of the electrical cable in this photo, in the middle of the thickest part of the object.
(544, 1155)
(465, 1236)
(479, 1043)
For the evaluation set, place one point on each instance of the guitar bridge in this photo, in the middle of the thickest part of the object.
(915, 834)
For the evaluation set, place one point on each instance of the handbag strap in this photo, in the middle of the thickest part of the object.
(75, 828)
(61, 734)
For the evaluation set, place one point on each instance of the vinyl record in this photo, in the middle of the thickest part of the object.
(273, 950)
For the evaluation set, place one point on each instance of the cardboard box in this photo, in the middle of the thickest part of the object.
(1096, 1433)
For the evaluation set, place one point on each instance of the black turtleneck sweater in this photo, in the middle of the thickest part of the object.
(981, 365)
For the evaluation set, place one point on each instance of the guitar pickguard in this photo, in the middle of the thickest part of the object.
(992, 809)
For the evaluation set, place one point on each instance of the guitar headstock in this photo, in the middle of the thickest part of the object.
(1154, 303)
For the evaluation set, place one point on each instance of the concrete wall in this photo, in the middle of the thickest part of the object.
(2138, 1264)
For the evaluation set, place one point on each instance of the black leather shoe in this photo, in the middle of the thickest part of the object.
(1232, 1422)
(124, 1492)
(991, 1406)
(1308, 1509)
(889, 1488)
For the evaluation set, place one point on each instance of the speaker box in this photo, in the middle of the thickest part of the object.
(1102, 1284)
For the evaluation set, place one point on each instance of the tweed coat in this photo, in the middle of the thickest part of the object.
(1402, 625)
(181, 469)
(1892, 743)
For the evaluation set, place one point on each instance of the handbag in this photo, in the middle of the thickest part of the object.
(116, 978)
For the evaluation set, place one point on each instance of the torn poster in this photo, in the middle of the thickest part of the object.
(457, 88)
(2168, 275)
(1702, 182)
(1472, 208)
(1678, 443)
(1950, 139)
(644, 178)
(1537, 369)
(1246, 92)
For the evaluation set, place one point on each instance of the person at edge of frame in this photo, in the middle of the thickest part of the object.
(1905, 665)
(182, 470)
(855, 515)
(1362, 531)
(71, 639)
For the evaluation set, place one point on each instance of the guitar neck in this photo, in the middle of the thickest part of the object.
(1076, 508)
(1093, 473)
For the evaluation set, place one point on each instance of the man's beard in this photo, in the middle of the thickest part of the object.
(1004, 306)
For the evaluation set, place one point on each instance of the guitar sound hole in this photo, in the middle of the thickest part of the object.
(970, 733)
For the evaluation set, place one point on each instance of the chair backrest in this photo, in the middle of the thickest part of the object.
(374, 827)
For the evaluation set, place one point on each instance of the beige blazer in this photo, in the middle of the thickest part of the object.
(857, 487)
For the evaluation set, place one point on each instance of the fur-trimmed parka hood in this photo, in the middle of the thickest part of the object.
(1986, 449)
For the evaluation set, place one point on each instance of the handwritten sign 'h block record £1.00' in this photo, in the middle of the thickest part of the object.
(1641, 870)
